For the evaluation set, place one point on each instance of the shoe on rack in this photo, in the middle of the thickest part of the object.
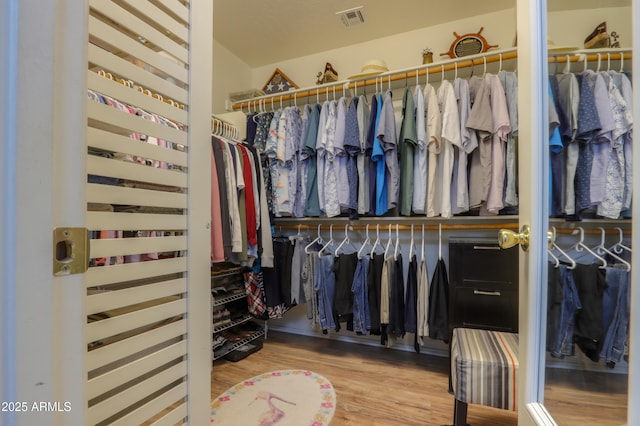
(218, 341)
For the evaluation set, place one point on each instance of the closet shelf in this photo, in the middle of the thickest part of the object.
(558, 56)
(218, 329)
(227, 350)
(219, 301)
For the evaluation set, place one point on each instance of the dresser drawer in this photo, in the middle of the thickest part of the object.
(483, 261)
(488, 309)
(483, 285)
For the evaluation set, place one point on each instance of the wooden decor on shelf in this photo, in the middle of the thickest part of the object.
(468, 44)
(278, 82)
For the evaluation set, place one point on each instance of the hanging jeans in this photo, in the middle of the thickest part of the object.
(563, 301)
(361, 316)
(616, 307)
(325, 288)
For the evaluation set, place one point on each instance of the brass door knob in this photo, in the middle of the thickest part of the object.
(508, 238)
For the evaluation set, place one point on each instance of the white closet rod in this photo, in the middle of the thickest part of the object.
(554, 56)
(421, 70)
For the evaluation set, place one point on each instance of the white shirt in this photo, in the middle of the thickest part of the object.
(450, 139)
(434, 131)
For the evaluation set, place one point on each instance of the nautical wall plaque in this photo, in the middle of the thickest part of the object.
(468, 44)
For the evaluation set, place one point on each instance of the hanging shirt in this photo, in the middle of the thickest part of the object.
(388, 139)
(370, 144)
(271, 151)
(312, 204)
(434, 132)
(303, 165)
(232, 194)
(588, 126)
(501, 129)
(322, 153)
(602, 143)
(362, 159)
(450, 140)
(570, 96)
(480, 120)
(293, 126)
(217, 245)
(469, 141)
(353, 150)
(378, 156)
(624, 85)
(509, 82)
(330, 181)
(613, 199)
(408, 140)
(419, 156)
(341, 156)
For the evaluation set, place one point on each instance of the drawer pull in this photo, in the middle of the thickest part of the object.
(486, 247)
(486, 293)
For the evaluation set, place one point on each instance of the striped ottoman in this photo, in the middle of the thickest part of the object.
(484, 366)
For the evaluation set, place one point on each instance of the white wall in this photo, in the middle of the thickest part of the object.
(398, 51)
(584, 21)
(230, 74)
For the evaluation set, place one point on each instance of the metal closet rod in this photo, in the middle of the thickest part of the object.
(433, 68)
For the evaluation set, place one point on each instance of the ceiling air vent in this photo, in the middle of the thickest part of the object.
(351, 17)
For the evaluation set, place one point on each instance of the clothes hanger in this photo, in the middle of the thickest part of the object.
(600, 249)
(442, 71)
(345, 241)
(318, 240)
(567, 67)
(367, 240)
(298, 236)
(556, 261)
(329, 243)
(440, 241)
(395, 252)
(500, 64)
(411, 245)
(579, 246)
(598, 63)
(621, 68)
(562, 252)
(422, 256)
(386, 249)
(455, 73)
(619, 247)
(484, 67)
(377, 241)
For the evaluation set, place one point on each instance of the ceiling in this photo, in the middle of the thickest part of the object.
(262, 32)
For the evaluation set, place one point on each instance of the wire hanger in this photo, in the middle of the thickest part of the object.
(367, 240)
(318, 240)
(579, 246)
(600, 249)
(329, 243)
(376, 242)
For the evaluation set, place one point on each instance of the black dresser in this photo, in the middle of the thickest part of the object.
(483, 285)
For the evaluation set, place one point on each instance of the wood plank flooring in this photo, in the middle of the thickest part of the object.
(379, 386)
(374, 385)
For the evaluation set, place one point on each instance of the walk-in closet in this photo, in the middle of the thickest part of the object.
(329, 212)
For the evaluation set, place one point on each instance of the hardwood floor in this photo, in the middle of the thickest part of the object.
(379, 386)
(374, 385)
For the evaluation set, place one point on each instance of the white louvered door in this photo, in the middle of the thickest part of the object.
(147, 331)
